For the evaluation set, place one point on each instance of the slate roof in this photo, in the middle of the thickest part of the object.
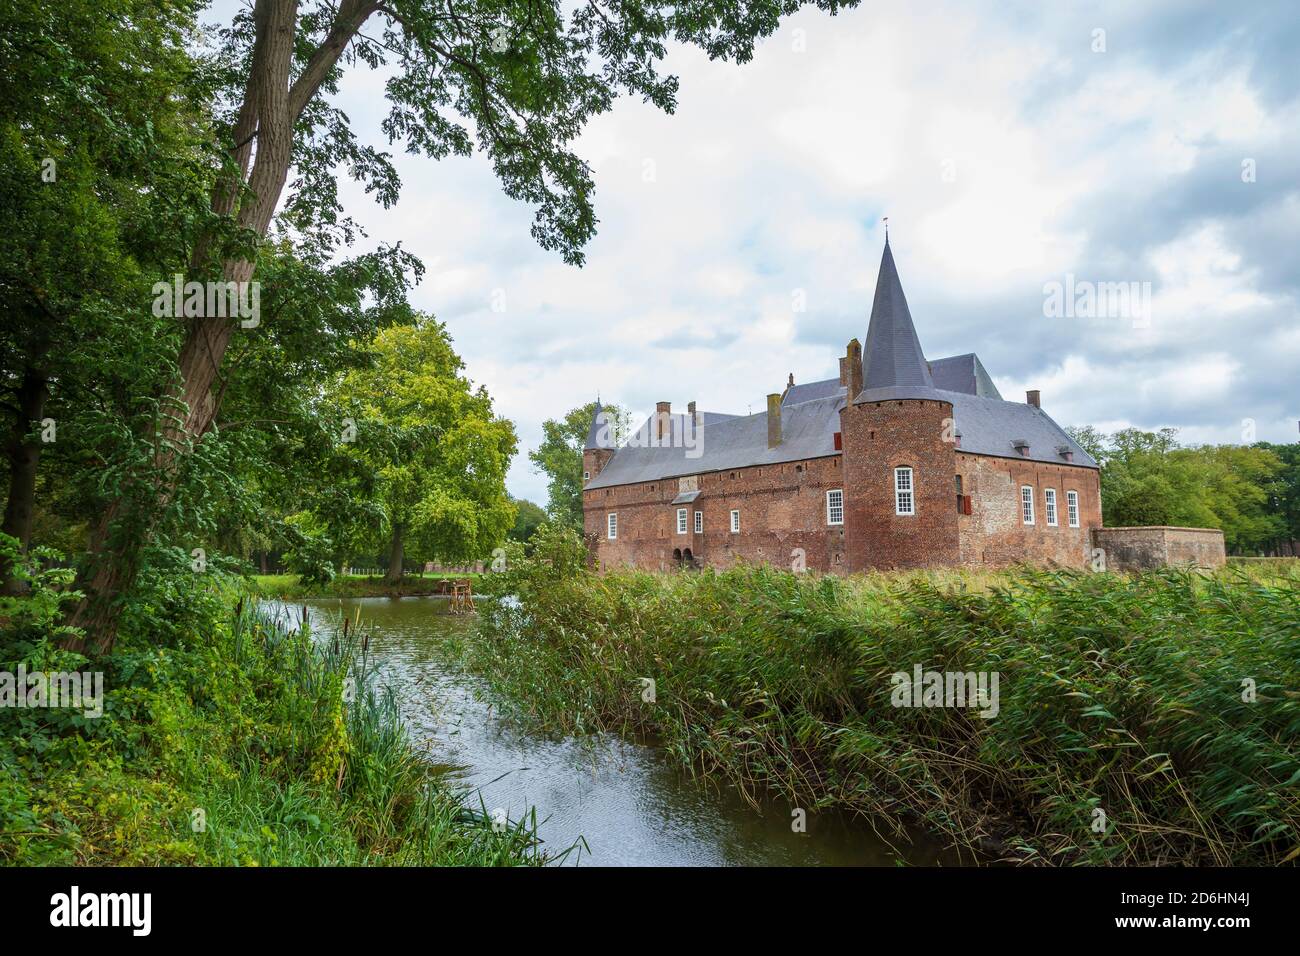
(894, 367)
(963, 373)
(598, 436)
(810, 391)
(807, 431)
(990, 426)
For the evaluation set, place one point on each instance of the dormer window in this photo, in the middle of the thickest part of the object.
(1022, 446)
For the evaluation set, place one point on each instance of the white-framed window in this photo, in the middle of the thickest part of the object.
(1049, 505)
(611, 524)
(586, 476)
(1072, 508)
(904, 492)
(835, 506)
(699, 522)
(1027, 504)
(735, 522)
(681, 520)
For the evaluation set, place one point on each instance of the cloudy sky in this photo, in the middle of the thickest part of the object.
(1011, 145)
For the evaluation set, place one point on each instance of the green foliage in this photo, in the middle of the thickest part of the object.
(35, 611)
(279, 741)
(1147, 478)
(311, 555)
(1119, 692)
(1284, 490)
(556, 553)
(528, 518)
(559, 457)
(437, 454)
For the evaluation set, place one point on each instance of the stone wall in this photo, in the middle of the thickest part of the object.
(1140, 548)
(782, 508)
(994, 533)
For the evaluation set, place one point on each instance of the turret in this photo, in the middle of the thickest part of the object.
(898, 444)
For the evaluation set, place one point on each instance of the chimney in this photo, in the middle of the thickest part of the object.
(790, 384)
(843, 374)
(663, 419)
(853, 371)
(1032, 397)
(773, 420)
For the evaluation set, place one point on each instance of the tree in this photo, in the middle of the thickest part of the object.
(101, 169)
(528, 518)
(1147, 478)
(1284, 496)
(559, 457)
(437, 453)
(525, 76)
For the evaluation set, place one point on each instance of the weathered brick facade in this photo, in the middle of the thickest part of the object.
(782, 509)
(994, 533)
(878, 438)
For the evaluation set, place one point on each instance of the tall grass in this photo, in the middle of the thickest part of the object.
(247, 743)
(1122, 704)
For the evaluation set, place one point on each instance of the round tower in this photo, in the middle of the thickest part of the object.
(898, 443)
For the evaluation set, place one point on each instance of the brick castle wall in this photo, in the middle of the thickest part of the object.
(1136, 549)
(782, 508)
(995, 534)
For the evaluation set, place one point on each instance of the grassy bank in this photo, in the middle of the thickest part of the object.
(289, 587)
(225, 740)
(1121, 698)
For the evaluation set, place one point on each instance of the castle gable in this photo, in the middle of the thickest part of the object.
(963, 373)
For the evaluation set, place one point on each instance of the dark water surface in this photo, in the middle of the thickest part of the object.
(632, 803)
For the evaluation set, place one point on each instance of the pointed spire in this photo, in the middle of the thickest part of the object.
(599, 435)
(893, 365)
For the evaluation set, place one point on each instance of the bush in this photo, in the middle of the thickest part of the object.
(226, 739)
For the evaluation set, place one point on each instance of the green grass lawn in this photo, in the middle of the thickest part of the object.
(288, 586)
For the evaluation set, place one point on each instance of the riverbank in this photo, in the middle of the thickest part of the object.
(225, 739)
(289, 587)
(1146, 719)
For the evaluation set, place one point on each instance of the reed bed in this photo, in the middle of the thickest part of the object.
(1143, 720)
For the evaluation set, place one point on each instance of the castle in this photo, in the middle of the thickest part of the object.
(900, 462)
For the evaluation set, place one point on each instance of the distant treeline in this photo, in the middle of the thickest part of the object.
(1251, 492)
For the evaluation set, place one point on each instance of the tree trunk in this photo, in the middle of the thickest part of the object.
(395, 557)
(24, 455)
(268, 114)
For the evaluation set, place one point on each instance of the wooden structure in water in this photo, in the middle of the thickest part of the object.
(462, 597)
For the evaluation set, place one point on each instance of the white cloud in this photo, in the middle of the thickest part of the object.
(772, 177)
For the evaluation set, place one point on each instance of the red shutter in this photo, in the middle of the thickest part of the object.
(839, 441)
